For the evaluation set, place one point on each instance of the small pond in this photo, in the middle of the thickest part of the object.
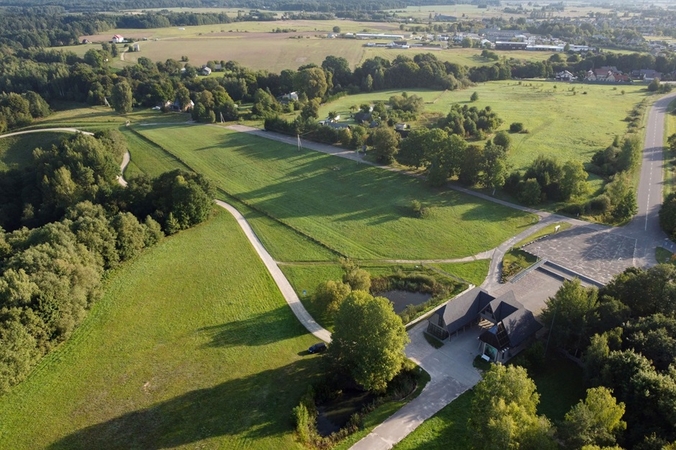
(335, 414)
(401, 299)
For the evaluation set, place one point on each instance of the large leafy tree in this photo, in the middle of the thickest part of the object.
(574, 180)
(311, 81)
(121, 97)
(385, 143)
(570, 315)
(503, 414)
(368, 340)
(595, 421)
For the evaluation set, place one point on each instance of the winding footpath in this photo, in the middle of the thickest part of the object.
(443, 389)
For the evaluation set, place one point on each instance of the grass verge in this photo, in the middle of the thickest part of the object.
(664, 256)
(446, 430)
(514, 262)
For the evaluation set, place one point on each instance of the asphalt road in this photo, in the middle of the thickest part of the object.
(646, 223)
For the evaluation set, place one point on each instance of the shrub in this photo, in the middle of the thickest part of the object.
(516, 127)
(600, 204)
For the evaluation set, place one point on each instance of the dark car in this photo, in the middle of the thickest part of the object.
(317, 348)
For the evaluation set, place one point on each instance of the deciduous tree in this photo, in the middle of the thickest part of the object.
(597, 420)
(121, 97)
(503, 413)
(368, 340)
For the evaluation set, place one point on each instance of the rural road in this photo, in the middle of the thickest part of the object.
(645, 226)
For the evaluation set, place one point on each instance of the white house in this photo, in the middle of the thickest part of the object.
(118, 39)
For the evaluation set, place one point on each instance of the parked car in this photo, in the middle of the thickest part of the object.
(317, 348)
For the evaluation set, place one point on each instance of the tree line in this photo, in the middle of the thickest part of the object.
(65, 221)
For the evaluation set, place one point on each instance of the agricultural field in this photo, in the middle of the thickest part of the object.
(185, 349)
(254, 45)
(570, 121)
(16, 152)
(360, 211)
(473, 12)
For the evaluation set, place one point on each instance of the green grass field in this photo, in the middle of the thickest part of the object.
(186, 349)
(561, 122)
(282, 242)
(16, 152)
(361, 211)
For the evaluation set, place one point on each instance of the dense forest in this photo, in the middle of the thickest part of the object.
(625, 335)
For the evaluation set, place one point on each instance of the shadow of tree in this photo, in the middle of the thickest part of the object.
(251, 408)
(262, 329)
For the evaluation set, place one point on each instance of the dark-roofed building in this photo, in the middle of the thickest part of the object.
(458, 313)
(512, 327)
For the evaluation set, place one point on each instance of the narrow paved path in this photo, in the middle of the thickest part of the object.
(284, 286)
(47, 130)
(126, 158)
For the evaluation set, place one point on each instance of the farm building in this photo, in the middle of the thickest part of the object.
(500, 45)
(118, 39)
(545, 48)
(206, 71)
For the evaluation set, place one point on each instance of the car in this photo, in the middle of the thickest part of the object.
(317, 348)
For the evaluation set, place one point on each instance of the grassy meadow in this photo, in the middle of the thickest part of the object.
(562, 122)
(16, 152)
(358, 210)
(282, 242)
(186, 349)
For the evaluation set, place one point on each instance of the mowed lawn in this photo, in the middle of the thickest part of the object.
(560, 122)
(16, 152)
(192, 346)
(362, 211)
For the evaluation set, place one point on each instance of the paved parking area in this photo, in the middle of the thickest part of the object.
(532, 290)
(599, 253)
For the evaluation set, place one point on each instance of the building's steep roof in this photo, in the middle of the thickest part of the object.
(463, 309)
